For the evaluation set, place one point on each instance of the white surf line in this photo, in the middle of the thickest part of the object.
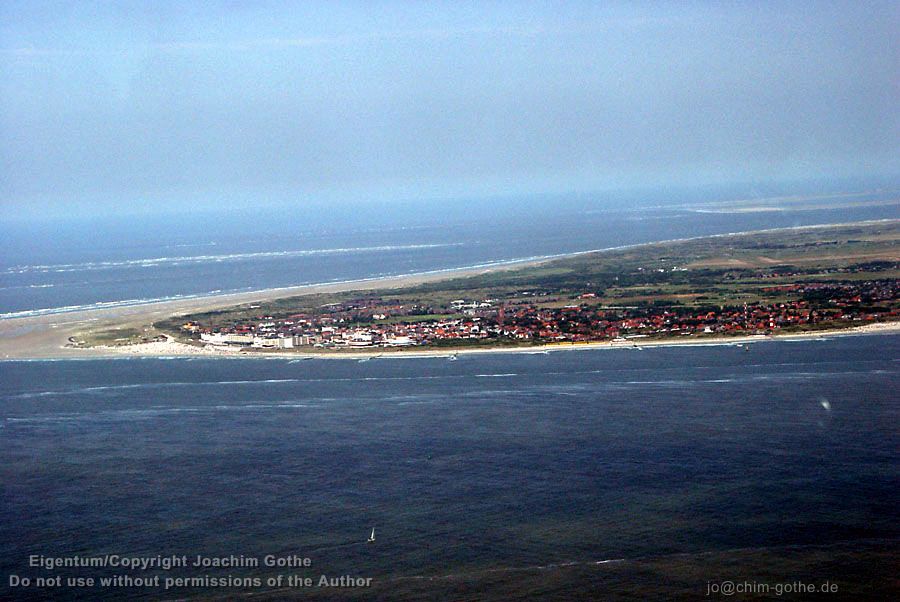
(289, 290)
(88, 266)
(798, 198)
(737, 377)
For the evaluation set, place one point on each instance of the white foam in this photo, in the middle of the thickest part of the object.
(28, 313)
(194, 259)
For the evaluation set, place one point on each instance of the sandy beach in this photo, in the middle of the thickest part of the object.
(175, 349)
(172, 348)
(46, 336)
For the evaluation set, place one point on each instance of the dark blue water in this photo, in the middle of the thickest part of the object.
(53, 265)
(496, 476)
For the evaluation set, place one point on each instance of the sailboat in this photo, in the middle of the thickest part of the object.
(371, 537)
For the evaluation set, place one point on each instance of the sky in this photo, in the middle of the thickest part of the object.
(143, 106)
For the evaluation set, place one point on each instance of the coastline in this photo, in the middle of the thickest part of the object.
(208, 301)
(173, 349)
(46, 335)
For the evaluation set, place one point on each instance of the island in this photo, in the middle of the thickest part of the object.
(799, 282)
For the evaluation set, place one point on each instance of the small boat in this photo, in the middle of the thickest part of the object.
(454, 357)
(371, 537)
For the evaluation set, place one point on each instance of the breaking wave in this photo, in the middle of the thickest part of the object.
(150, 262)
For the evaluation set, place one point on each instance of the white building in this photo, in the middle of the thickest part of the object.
(225, 338)
(361, 340)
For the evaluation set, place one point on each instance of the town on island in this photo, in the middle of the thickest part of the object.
(372, 321)
(790, 281)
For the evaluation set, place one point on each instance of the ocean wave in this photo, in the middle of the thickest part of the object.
(544, 388)
(147, 413)
(25, 286)
(503, 375)
(30, 313)
(150, 262)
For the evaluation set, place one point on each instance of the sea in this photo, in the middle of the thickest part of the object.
(640, 474)
(615, 474)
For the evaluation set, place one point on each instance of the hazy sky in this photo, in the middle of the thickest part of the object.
(127, 104)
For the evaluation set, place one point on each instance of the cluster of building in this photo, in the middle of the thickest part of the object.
(374, 322)
(330, 333)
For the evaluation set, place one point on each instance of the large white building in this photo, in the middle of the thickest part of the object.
(226, 338)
